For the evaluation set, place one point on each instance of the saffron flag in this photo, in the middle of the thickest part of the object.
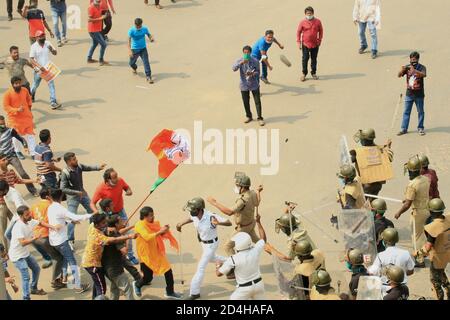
(171, 149)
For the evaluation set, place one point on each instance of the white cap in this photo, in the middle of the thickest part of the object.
(242, 241)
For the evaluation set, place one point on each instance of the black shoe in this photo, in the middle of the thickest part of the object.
(362, 49)
(10, 18)
(374, 54)
(419, 265)
(193, 297)
(402, 132)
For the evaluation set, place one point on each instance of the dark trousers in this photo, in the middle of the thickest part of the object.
(107, 23)
(156, 2)
(148, 277)
(15, 162)
(246, 101)
(307, 52)
(98, 277)
(43, 244)
(9, 6)
(131, 269)
(143, 53)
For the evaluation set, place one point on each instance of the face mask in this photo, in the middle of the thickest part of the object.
(246, 56)
(309, 17)
(269, 41)
(342, 181)
(193, 213)
(348, 265)
(237, 190)
(414, 63)
(41, 41)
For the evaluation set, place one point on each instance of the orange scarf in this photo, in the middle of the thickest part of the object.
(155, 227)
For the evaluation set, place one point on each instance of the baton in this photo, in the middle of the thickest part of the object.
(383, 198)
(181, 259)
(300, 288)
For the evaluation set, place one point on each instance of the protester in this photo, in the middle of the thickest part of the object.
(59, 12)
(259, 52)
(137, 47)
(39, 54)
(431, 175)
(36, 20)
(152, 254)
(367, 13)
(15, 66)
(106, 7)
(9, 8)
(45, 163)
(309, 39)
(72, 186)
(95, 28)
(248, 67)
(17, 105)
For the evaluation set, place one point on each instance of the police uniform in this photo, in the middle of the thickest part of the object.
(207, 235)
(418, 192)
(244, 217)
(401, 292)
(307, 267)
(438, 233)
(298, 234)
(316, 295)
(352, 196)
(248, 275)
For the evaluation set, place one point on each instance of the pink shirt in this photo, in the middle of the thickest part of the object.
(310, 33)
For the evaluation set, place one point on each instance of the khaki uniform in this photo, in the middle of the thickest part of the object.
(307, 267)
(418, 192)
(297, 235)
(439, 255)
(244, 217)
(330, 295)
(355, 190)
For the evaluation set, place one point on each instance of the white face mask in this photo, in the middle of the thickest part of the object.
(236, 189)
(309, 17)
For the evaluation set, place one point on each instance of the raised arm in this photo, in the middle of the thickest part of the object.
(219, 206)
(182, 223)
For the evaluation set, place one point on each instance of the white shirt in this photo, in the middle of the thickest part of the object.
(367, 10)
(57, 215)
(21, 230)
(206, 230)
(246, 264)
(392, 255)
(41, 54)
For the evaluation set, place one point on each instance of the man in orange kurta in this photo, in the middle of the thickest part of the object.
(17, 105)
(152, 253)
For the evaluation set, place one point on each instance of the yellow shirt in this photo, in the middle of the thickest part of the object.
(92, 256)
(147, 249)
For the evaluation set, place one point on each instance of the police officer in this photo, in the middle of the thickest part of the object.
(351, 197)
(243, 209)
(310, 261)
(246, 265)
(322, 289)
(366, 138)
(379, 207)
(398, 290)
(355, 263)
(417, 196)
(431, 175)
(393, 255)
(437, 247)
(205, 222)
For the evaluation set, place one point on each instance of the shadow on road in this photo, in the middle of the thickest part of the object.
(288, 119)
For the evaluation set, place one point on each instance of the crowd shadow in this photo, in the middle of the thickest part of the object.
(215, 292)
(168, 75)
(81, 102)
(188, 258)
(79, 71)
(182, 4)
(341, 76)
(288, 119)
(439, 129)
(295, 90)
(46, 116)
(75, 42)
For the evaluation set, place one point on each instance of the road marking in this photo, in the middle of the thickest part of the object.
(141, 87)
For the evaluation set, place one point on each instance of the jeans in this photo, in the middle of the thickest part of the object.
(123, 216)
(23, 265)
(107, 23)
(59, 13)
(264, 70)
(309, 52)
(53, 254)
(148, 277)
(409, 101)
(69, 258)
(72, 206)
(15, 162)
(373, 35)
(51, 87)
(98, 277)
(121, 283)
(97, 39)
(31, 141)
(39, 248)
(246, 100)
(143, 53)
(9, 6)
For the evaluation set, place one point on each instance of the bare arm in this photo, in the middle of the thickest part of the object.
(262, 233)
(48, 29)
(219, 206)
(181, 224)
(406, 205)
(126, 229)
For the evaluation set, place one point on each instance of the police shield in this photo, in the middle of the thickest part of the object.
(290, 286)
(358, 229)
(344, 152)
(369, 288)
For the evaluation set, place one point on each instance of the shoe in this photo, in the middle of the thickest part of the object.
(92, 61)
(146, 2)
(422, 132)
(265, 80)
(137, 291)
(193, 297)
(362, 49)
(134, 71)
(64, 40)
(303, 78)
(173, 296)
(55, 105)
(64, 279)
(106, 37)
(59, 43)
(84, 287)
(20, 155)
(158, 6)
(57, 284)
(150, 80)
(35, 193)
(173, 1)
(402, 133)
(374, 54)
(133, 260)
(38, 292)
(47, 264)
(32, 97)
(248, 120)
(315, 77)
(261, 122)
(419, 265)
(104, 63)
(10, 18)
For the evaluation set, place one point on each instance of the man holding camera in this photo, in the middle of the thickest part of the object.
(415, 93)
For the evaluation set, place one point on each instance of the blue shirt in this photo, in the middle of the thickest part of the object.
(259, 45)
(138, 37)
(248, 83)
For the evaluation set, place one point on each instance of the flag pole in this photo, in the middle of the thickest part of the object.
(140, 205)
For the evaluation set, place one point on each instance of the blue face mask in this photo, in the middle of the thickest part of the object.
(348, 265)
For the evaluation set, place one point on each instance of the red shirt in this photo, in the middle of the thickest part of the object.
(105, 191)
(94, 12)
(104, 4)
(36, 20)
(432, 176)
(312, 32)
